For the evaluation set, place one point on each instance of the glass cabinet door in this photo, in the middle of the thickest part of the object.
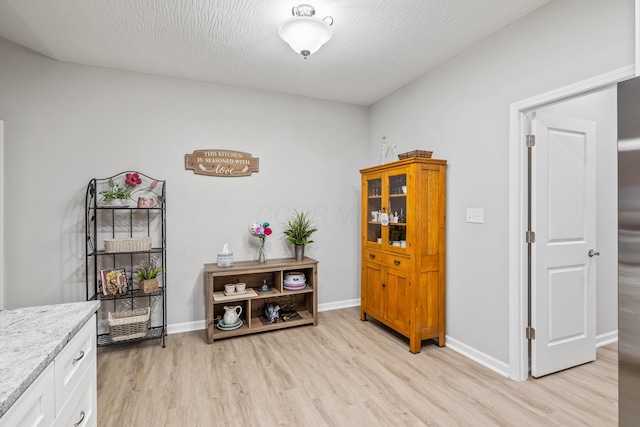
(397, 203)
(374, 208)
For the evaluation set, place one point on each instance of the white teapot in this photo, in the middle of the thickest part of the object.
(231, 315)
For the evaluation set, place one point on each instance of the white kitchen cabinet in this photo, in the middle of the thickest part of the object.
(65, 393)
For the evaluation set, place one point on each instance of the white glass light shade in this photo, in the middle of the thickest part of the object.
(305, 34)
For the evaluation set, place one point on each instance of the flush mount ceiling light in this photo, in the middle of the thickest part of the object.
(304, 32)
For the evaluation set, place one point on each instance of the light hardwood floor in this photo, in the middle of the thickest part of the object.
(343, 372)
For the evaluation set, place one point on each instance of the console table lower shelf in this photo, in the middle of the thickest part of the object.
(302, 304)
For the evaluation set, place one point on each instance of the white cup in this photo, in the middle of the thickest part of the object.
(241, 287)
(379, 240)
(403, 243)
(230, 288)
(404, 189)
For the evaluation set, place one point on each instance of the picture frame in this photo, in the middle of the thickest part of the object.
(113, 281)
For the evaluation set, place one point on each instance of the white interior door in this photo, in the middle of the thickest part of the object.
(564, 221)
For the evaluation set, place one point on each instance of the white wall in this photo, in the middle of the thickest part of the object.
(65, 124)
(601, 107)
(461, 111)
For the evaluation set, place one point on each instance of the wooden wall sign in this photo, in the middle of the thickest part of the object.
(222, 163)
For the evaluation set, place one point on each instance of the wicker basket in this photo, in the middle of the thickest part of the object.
(415, 153)
(127, 244)
(128, 325)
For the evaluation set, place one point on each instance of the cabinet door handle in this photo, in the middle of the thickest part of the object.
(79, 358)
(372, 256)
(396, 262)
(384, 284)
(81, 419)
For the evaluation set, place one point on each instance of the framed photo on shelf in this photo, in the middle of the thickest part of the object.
(113, 281)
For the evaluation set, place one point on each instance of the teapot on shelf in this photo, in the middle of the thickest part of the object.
(231, 314)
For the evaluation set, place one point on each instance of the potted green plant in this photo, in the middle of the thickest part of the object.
(147, 275)
(120, 193)
(115, 193)
(298, 230)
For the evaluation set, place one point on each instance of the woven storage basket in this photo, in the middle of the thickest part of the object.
(415, 153)
(127, 244)
(128, 325)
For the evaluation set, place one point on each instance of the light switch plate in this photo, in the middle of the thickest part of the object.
(475, 215)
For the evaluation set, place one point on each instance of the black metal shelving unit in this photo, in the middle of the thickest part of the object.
(103, 221)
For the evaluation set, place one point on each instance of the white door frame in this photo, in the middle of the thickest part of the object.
(1, 215)
(518, 300)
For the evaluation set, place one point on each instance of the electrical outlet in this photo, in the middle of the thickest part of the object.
(475, 215)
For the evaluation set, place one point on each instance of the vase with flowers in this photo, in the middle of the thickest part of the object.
(262, 230)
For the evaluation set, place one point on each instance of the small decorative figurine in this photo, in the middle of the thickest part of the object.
(272, 312)
(388, 153)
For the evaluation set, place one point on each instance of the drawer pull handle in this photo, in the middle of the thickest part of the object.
(81, 419)
(396, 262)
(79, 358)
(372, 256)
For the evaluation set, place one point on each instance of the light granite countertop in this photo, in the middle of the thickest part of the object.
(30, 338)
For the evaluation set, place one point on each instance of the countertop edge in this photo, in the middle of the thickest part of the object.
(5, 405)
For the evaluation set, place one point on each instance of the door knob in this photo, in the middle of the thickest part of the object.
(593, 253)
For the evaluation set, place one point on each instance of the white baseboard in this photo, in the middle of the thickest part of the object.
(605, 339)
(503, 368)
(477, 356)
(199, 325)
(177, 328)
(339, 304)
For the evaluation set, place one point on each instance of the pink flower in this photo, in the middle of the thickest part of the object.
(260, 229)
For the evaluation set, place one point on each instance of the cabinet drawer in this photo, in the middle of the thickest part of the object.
(396, 261)
(35, 408)
(73, 361)
(81, 407)
(369, 255)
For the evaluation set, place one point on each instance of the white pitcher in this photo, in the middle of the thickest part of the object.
(232, 314)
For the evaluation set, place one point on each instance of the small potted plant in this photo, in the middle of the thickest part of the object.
(298, 230)
(120, 193)
(147, 275)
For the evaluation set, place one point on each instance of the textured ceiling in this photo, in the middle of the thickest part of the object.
(377, 46)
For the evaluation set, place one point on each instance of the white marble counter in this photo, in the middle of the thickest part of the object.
(30, 338)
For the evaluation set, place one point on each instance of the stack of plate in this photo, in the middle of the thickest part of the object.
(294, 281)
(223, 327)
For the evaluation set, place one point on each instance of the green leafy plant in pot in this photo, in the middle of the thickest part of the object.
(298, 230)
(147, 275)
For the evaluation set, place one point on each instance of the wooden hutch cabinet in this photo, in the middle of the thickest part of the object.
(403, 248)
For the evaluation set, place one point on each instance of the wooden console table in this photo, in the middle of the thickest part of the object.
(253, 273)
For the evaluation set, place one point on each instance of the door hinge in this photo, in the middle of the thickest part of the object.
(531, 140)
(531, 333)
(530, 236)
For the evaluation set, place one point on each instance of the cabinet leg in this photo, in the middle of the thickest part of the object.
(363, 315)
(441, 339)
(414, 345)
